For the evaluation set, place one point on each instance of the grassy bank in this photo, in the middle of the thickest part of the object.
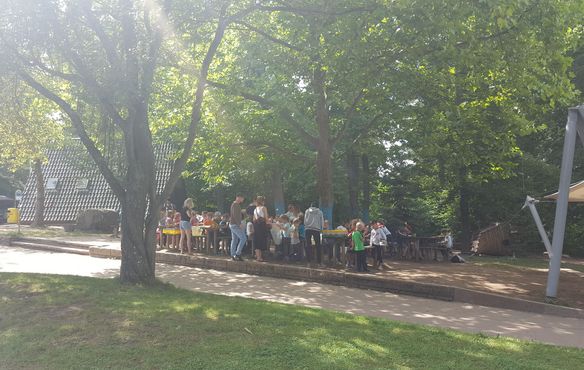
(62, 322)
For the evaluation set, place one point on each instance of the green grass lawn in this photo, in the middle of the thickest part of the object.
(64, 322)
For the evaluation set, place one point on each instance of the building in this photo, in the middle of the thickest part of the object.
(73, 183)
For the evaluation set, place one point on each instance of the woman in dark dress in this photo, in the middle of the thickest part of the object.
(260, 227)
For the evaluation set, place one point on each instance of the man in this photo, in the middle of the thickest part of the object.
(313, 223)
(238, 237)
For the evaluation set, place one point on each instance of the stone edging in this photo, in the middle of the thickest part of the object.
(354, 280)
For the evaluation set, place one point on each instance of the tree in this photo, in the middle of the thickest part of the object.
(309, 67)
(29, 125)
(106, 55)
(480, 75)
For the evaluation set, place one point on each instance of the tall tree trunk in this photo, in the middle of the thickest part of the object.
(278, 191)
(324, 163)
(465, 236)
(139, 205)
(137, 241)
(353, 180)
(39, 206)
(366, 187)
(325, 181)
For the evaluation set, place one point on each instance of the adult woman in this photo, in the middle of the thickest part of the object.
(185, 225)
(260, 227)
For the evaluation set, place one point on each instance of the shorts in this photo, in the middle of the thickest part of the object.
(185, 225)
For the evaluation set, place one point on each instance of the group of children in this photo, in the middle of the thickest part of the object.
(289, 239)
(288, 234)
(168, 232)
(285, 234)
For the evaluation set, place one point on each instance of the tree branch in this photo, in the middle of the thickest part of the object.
(106, 42)
(77, 122)
(348, 117)
(149, 65)
(284, 113)
(71, 77)
(364, 130)
(313, 11)
(278, 149)
(242, 13)
(270, 37)
(196, 114)
(87, 77)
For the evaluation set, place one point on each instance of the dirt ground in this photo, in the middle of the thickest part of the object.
(510, 280)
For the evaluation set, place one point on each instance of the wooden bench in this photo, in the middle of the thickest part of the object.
(431, 247)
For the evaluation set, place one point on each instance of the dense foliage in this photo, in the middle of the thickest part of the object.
(443, 113)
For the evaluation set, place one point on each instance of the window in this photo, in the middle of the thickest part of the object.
(52, 183)
(82, 184)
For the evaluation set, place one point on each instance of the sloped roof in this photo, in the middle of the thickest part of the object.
(576, 194)
(68, 166)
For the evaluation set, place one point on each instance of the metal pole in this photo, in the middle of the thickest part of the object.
(562, 203)
(530, 202)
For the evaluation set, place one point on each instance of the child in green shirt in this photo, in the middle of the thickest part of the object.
(359, 248)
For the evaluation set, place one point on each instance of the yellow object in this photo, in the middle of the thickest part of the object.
(334, 232)
(12, 216)
(171, 231)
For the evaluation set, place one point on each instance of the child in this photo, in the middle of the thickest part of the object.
(171, 227)
(359, 247)
(194, 219)
(448, 243)
(160, 237)
(207, 221)
(224, 226)
(295, 237)
(276, 233)
(285, 226)
(377, 240)
(176, 228)
(213, 231)
(352, 227)
(249, 233)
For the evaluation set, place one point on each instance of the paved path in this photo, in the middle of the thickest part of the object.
(460, 316)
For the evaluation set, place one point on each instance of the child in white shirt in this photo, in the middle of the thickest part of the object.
(249, 233)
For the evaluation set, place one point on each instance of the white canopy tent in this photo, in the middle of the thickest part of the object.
(576, 193)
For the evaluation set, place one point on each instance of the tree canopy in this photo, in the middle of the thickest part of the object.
(443, 113)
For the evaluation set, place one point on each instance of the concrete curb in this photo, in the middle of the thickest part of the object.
(57, 243)
(49, 247)
(9, 240)
(335, 277)
(355, 280)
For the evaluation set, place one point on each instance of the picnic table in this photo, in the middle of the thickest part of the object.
(421, 247)
(206, 236)
(338, 238)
